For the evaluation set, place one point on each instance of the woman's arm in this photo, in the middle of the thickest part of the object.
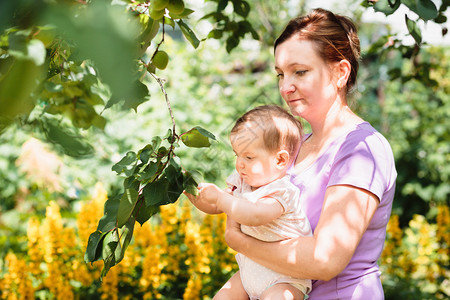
(345, 216)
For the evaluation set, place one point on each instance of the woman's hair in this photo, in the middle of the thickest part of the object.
(281, 130)
(335, 38)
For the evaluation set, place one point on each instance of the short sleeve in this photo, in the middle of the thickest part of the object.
(281, 190)
(363, 161)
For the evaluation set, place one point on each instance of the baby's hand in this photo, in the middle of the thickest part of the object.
(209, 192)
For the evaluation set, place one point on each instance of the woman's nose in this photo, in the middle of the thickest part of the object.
(286, 87)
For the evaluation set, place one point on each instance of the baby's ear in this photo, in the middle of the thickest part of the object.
(282, 158)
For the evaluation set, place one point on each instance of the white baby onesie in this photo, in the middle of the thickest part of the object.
(293, 223)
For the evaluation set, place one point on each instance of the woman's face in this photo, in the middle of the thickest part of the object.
(305, 79)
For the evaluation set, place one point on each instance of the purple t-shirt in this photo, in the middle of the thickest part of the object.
(362, 158)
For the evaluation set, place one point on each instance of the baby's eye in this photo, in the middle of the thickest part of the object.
(249, 157)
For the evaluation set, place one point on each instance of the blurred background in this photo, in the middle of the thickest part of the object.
(77, 93)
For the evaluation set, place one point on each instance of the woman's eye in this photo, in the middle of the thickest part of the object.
(280, 75)
(301, 72)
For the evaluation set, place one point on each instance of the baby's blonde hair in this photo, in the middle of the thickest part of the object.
(281, 130)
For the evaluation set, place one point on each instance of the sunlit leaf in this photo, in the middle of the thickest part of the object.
(148, 172)
(106, 34)
(413, 29)
(67, 138)
(22, 48)
(387, 7)
(197, 137)
(125, 235)
(15, 90)
(108, 250)
(127, 164)
(188, 33)
(140, 96)
(126, 206)
(426, 9)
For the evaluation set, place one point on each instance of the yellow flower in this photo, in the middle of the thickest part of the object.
(109, 289)
(34, 254)
(16, 283)
(90, 213)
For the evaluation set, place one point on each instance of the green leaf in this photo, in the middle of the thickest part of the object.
(22, 48)
(222, 4)
(106, 34)
(155, 193)
(16, 86)
(144, 153)
(231, 43)
(205, 132)
(93, 252)
(108, 251)
(127, 164)
(191, 181)
(148, 172)
(131, 183)
(387, 7)
(215, 34)
(99, 122)
(140, 96)
(67, 138)
(156, 141)
(413, 30)
(175, 177)
(197, 137)
(188, 33)
(242, 8)
(109, 220)
(125, 234)
(426, 9)
(126, 206)
(146, 212)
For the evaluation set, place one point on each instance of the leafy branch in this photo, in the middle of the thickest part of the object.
(153, 177)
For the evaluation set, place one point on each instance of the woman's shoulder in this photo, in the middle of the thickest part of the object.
(365, 136)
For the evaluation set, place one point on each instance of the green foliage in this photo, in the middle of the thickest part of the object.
(73, 58)
(232, 28)
(153, 177)
(70, 72)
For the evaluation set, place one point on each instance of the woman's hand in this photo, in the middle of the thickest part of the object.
(233, 233)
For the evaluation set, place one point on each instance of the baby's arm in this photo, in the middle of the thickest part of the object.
(241, 210)
(206, 207)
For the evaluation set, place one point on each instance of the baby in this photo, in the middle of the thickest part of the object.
(262, 199)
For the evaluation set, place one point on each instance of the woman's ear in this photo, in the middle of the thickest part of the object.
(282, 159)
(343, 72)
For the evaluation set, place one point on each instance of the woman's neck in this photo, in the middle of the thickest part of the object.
(339, 119)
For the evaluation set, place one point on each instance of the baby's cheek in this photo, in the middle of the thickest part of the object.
(257, 168)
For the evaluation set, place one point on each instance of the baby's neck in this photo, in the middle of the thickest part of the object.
(282, 174)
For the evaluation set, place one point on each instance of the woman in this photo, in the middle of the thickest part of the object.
(344, 169)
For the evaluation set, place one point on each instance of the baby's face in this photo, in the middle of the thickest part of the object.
(254, 163)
